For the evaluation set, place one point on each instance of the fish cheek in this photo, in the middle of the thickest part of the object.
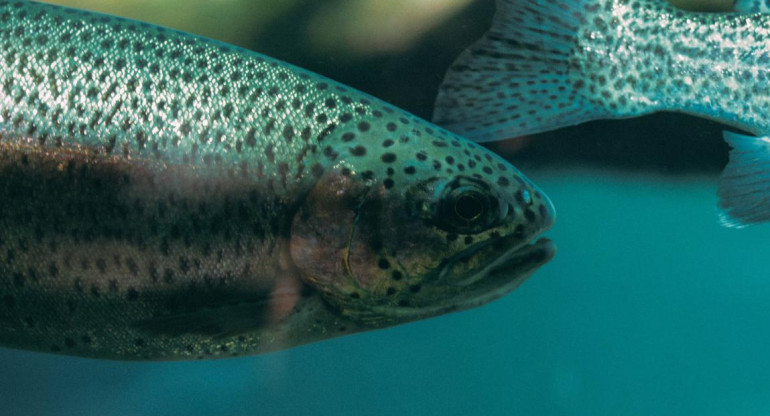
(393, 250)
(322, 229)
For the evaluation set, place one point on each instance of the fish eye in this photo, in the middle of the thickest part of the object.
(469, 206)
(466, 207)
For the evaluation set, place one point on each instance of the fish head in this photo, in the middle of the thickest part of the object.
(418, 230)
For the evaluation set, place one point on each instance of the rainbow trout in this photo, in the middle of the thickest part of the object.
(550, 64)
(165, 196)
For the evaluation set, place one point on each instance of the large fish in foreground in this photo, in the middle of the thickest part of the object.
(164, 196)
(550, 64)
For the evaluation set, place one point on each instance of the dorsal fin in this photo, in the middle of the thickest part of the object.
(515, 80)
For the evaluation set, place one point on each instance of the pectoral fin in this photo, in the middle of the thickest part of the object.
(744, 188)
(215, 322)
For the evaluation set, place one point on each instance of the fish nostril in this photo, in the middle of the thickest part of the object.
(524, 197)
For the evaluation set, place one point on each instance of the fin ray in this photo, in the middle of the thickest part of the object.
(515, 79)
(744, 187)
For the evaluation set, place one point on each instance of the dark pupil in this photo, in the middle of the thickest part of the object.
(469, 207)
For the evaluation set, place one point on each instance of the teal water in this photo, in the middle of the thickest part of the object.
(649, 307)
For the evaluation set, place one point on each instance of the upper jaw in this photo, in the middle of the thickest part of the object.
(487, 254)
(496, 280)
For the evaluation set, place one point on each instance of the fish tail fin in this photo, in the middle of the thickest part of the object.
(516, 79)
(744, 187)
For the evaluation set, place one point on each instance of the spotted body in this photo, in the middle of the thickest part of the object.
(165, 196)
(550, 64)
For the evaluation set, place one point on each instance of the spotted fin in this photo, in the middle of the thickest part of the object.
(752, 6)
(514, 81)
(744, 188)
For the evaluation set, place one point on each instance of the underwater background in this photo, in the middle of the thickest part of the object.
(649, 307)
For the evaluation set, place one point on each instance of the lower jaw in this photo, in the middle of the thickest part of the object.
(533, 254)
(500, 280)
(504, 277)
(525, 256)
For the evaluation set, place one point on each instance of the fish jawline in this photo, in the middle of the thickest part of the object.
(494, 284)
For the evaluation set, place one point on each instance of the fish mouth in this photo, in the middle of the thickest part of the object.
(460, 271)
(478, 287)
(537, 253)
(504, 274)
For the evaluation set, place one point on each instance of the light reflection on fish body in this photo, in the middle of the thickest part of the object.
(165, 196)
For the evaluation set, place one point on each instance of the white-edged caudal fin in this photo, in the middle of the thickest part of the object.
(744, 188)
(514, 80)
(752, 6)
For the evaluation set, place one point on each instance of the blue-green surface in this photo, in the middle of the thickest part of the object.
(649, 308)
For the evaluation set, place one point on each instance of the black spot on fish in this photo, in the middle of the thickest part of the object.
(317, 170)
(53, 269)
(101, 265)
(18, 279)
(9, 301)
(530, 215)
(288, 133)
